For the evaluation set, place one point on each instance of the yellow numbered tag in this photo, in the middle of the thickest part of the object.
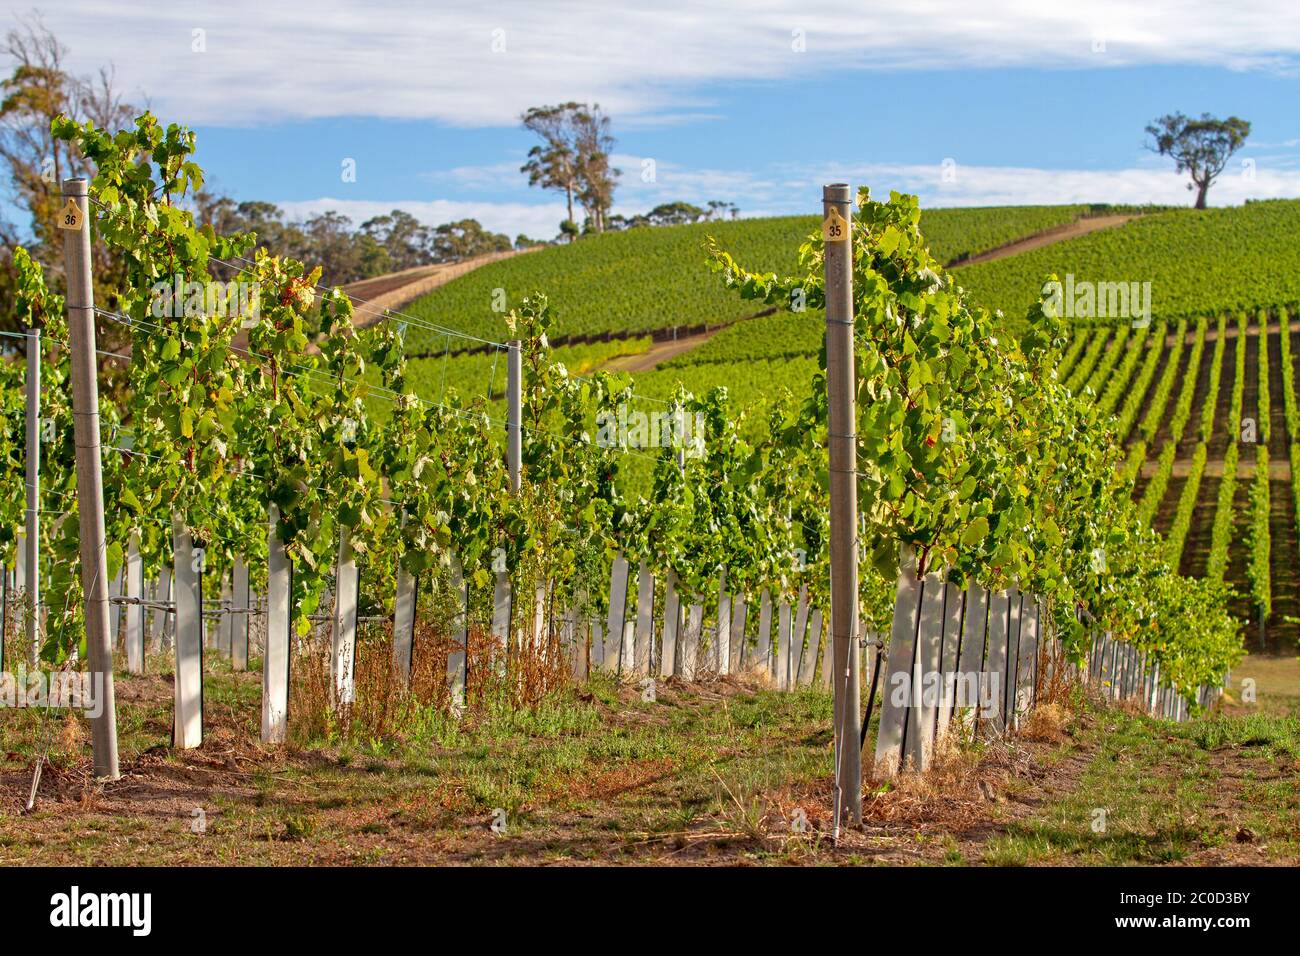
(835, 228)
(70, 216)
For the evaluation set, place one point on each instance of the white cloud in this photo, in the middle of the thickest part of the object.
(488, 176)
(792, 187)
(785, 189)
(672, 181)
(396, 58)
(1008, 185)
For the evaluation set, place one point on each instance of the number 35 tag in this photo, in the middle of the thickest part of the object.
(835, 228)
(70, 216)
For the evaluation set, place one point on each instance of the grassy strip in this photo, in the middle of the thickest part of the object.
(1113, 353)
(1238, 385)
(1165, 388)
(1288, 375)
(1118, 385)
(1096, 348)
(1221, 534)
(1257, 569)
(1168, 796)
(1154, 492)
(1216, 377)
(1289, 410)
(586, 774)
(1294, 449)
(1133, 401)
(1082, 337)
(1224, 512)
(1137, 455)
(1265, 407)
(1177, 536)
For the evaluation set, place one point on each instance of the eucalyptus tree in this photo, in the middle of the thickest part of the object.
(1200, 147)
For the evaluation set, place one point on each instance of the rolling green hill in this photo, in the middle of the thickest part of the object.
(1199, 263)
(654, 278)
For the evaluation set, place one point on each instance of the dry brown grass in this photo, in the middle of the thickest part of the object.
(1059, 679)
(956, 795)
(1056, 702)
(72, 733)
(955, 791)
(759, 677)
(523, 672)
(1047, 722)
(949, 791)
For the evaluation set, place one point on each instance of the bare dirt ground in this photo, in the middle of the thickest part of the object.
(1230, 331)
(710, 773)
(380, 285)
(398, 289)
(1278, 469)
(658, 353)
(1071, 230)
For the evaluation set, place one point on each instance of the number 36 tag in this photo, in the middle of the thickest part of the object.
(70, 216)
(835, 228)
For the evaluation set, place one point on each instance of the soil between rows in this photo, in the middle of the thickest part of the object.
(711, 773)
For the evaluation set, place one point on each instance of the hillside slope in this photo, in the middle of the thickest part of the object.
(655, 278)
(1202, 262)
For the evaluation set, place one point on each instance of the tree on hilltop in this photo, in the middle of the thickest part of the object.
(573, 158)
(1200, 147)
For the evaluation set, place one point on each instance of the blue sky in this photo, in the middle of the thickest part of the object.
(755, 105)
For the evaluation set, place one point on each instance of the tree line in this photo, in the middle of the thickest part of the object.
(382, 244)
